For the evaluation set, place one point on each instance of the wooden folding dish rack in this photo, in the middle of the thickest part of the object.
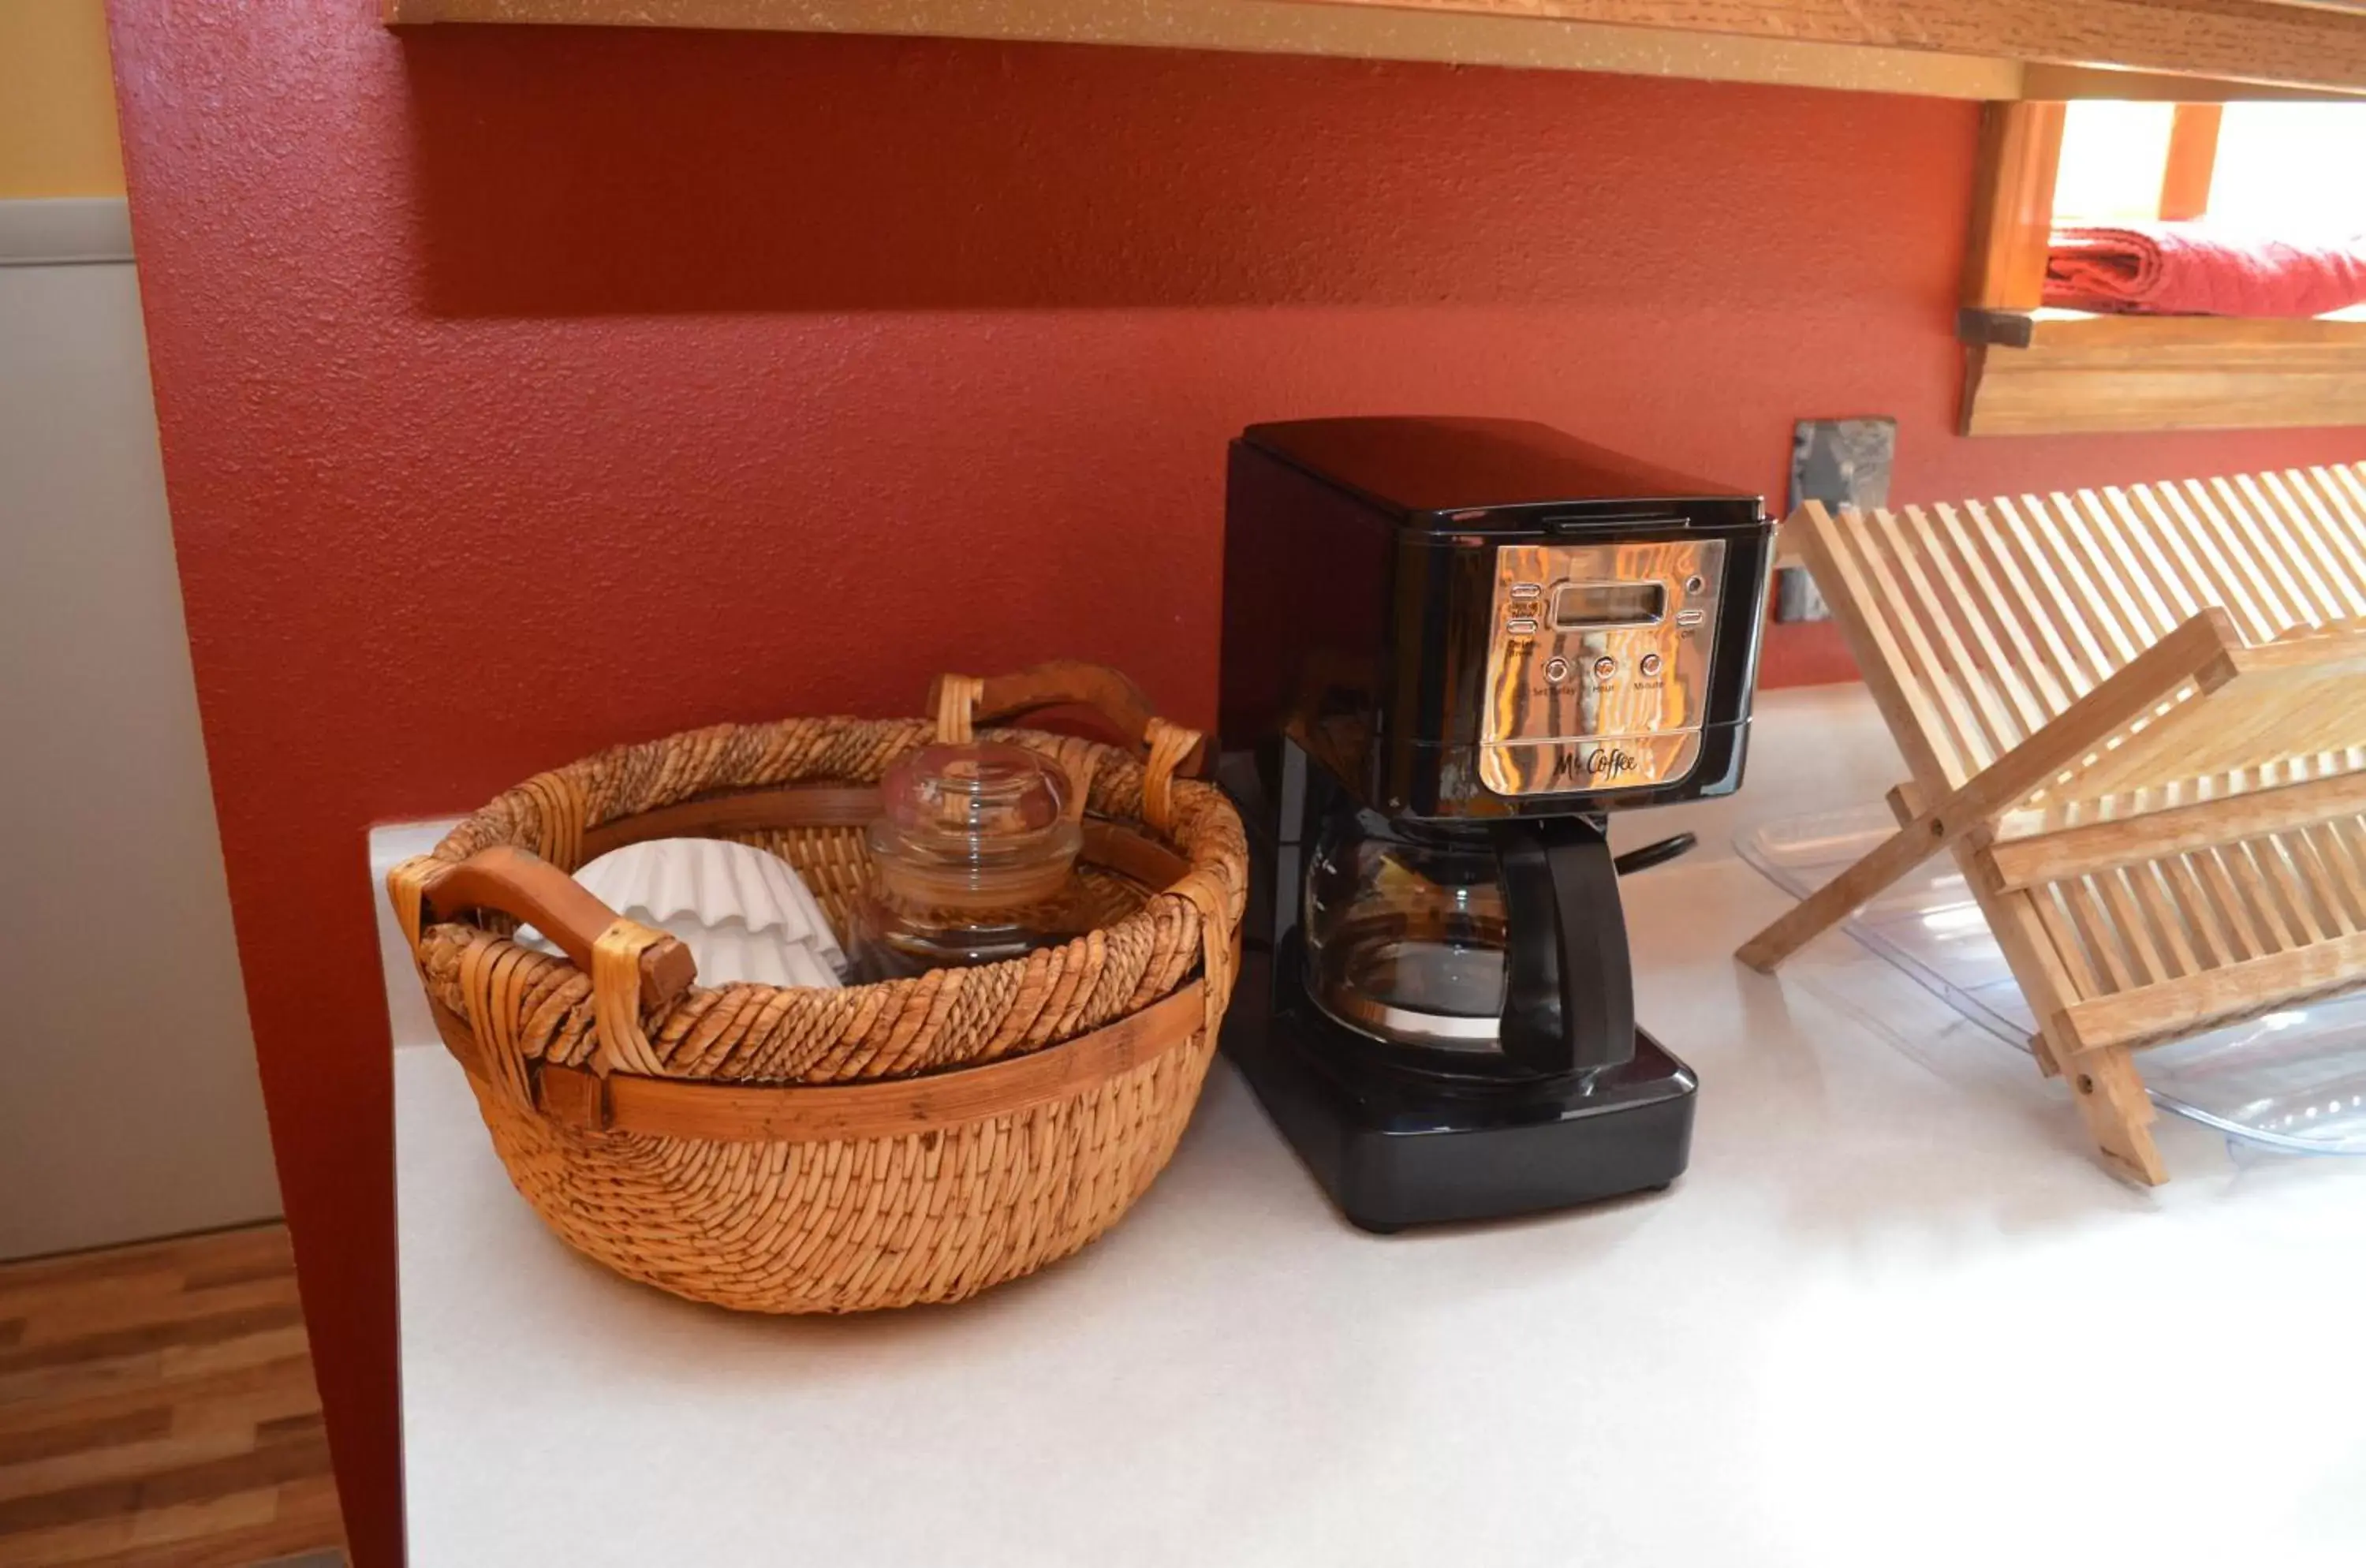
(2139, 719)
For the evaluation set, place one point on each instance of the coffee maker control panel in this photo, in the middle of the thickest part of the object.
(1598, 664)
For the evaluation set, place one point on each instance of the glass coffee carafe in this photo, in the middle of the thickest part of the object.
(1490, 948)
(1405, 937)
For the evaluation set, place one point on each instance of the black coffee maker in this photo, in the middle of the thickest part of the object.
(1450, 647)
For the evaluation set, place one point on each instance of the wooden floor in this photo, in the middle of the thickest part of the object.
(157, 1407)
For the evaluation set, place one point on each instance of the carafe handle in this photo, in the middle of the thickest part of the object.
(1568, 995)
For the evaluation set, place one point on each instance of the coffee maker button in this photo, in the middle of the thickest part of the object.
(1520, 628)
(1604, 668)
(1651, 665)
(1694, 584)
(1556, 670)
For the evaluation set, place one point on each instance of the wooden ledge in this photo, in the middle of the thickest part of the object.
(1525, 41)
(2206, 49)
(2080, 330)
(2057, 372)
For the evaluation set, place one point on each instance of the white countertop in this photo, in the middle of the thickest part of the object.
(1892, 1316)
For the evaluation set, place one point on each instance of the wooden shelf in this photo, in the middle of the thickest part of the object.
(2060, 372)
(1964, 49)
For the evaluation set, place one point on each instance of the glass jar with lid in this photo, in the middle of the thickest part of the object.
(974, 856)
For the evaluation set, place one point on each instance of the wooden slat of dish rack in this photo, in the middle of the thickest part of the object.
(2094, 846)
(2170, 1010)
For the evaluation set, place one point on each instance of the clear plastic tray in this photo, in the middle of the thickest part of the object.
(2293, 1082)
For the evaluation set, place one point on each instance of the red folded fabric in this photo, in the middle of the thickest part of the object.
(2182, 269)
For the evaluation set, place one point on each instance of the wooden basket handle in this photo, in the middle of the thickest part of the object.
(630, 965)
(961, 703)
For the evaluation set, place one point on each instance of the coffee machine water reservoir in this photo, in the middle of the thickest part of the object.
(1450, 647)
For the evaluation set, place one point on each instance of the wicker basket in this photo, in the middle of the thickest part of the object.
(793, 1150)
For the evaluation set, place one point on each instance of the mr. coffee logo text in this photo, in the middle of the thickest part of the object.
(1605, 762)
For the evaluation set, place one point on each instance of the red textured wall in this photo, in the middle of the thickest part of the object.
(525, 390)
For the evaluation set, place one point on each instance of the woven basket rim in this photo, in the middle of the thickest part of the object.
(1204, 833)
(451, 846)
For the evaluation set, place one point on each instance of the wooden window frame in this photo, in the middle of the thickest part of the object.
(2032, 371)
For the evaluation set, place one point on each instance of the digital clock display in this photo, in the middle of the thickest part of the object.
(1586, 607)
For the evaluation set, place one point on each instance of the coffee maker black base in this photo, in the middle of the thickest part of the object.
(1395, 1152)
